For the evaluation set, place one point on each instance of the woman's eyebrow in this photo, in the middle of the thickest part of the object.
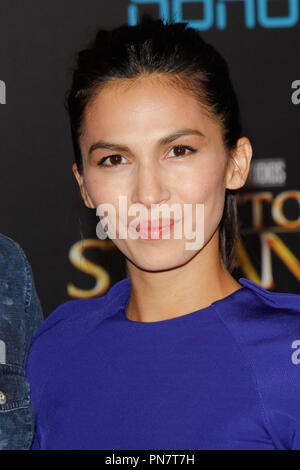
(163, 141)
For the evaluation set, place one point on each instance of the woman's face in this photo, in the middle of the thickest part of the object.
(135, 117)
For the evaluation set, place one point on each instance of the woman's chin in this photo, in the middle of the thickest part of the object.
(160, 261)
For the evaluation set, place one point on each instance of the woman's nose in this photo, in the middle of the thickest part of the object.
(150, 186)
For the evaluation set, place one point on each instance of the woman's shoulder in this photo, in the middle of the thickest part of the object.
(265, 325)
(258, 316)
(69, 324)
(282, 308)
(266, 292)
(77, 315)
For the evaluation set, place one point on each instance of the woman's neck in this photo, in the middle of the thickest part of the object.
(162, 295)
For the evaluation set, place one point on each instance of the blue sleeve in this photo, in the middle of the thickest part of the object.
(295, 358)
(277, 365)
(38, 366)
(39, 363)
(267, 330)
(58, 329)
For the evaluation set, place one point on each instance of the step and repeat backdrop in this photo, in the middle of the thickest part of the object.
(40, 206)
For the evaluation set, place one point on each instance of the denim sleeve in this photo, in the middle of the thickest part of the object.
(20, 316)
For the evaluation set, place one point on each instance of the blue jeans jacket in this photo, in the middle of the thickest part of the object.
(20, 315)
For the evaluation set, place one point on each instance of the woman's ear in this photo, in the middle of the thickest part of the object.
(239, 164)
(82, 187)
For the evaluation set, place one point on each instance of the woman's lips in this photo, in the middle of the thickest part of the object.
(158, 228)
(155, 224)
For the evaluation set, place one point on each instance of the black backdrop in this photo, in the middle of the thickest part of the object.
(40, 206)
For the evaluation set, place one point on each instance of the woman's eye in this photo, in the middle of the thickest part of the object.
(180, 150)
(116, 160)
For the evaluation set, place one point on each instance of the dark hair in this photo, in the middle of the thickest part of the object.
(178, 52)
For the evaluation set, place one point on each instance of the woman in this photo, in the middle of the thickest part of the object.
(20, 316)
(179, 355)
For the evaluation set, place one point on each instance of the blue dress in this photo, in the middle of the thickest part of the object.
(223, 377)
